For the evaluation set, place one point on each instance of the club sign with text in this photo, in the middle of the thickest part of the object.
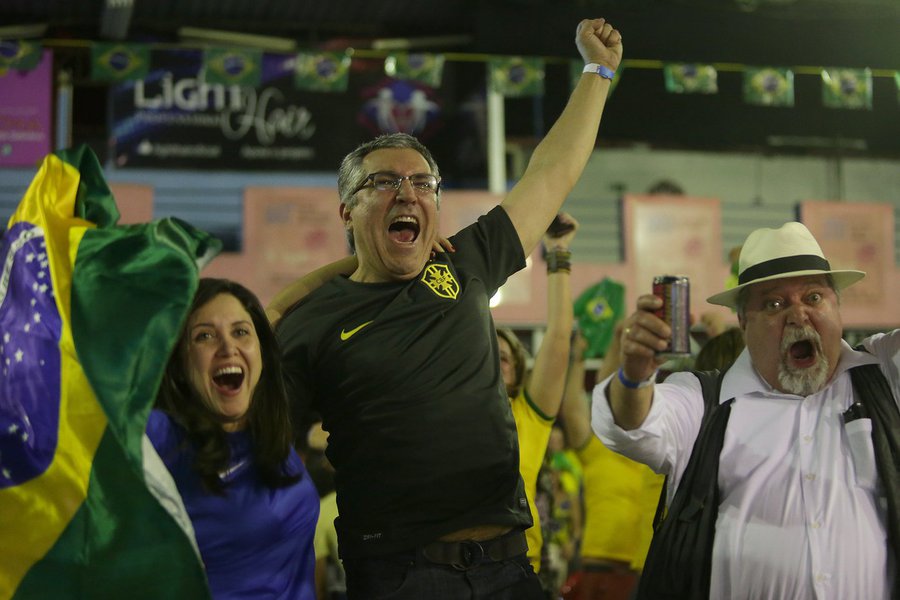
(174, 119)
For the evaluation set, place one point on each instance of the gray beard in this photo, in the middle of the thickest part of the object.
(807, 381)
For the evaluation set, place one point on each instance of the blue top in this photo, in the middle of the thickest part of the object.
(256, 542)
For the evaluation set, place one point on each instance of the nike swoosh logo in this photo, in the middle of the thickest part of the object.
(346, 335)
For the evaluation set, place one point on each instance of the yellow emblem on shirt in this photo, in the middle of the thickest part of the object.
(346, 335)
(441, 281)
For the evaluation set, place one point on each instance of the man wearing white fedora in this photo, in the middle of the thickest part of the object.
(802, 498)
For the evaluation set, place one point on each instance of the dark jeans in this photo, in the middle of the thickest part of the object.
(409, 576)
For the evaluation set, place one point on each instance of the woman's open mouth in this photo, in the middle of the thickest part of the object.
(228, 379)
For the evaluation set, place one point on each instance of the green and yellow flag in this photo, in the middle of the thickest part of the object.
(769, 86)
(597, 310)
(322, 71)
(897, 83)
(232, 67)
(22, 55)
(89, 312)
(422, 67)
(517, 76)
(847, 88)
(690, 78)
(119, 62)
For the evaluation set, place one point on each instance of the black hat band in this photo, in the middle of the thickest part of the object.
(787, 264)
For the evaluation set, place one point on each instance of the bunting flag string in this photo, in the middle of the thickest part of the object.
(517, 76)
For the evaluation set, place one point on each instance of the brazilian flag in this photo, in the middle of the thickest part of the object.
(232, 66)
(89, 313)
(517, 76)
(597, 310)
(322, 71)
(22, 55)
(119, 62)
(422, 67)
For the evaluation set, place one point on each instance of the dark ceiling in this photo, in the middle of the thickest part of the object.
(792, 33)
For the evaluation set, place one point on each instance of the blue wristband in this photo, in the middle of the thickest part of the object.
(636, 385)
(604, 72)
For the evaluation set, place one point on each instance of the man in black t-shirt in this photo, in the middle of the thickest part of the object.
(400, 359)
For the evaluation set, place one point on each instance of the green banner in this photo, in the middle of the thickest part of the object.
(769, 86)
(232, 66)
(322, 71)
(517, 76)
(119, 62)
(690, 78)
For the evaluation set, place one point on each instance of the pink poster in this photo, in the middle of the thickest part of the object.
(674, 235)
(26, 114)
(859, 236)
(134, 201)
(289, 232)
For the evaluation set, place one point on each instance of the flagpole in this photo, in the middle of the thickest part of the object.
(63, 110)
(496, 141)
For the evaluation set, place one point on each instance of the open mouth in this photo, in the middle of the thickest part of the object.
(404, 229)
(802, 353)
(228, 379)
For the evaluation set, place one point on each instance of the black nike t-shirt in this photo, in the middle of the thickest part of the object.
(407, 380)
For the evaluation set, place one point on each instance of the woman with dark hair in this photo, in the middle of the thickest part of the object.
(222, 429)
(535, 397)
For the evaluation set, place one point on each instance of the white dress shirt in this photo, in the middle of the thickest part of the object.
(801, 513)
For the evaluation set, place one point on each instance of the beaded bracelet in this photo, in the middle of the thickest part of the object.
(558, 260)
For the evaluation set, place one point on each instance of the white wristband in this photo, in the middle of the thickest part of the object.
(604, 72)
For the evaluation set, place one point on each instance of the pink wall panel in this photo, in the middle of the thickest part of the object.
(290, 231)
(859, 236)
(135, 202)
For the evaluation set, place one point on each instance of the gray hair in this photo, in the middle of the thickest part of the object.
(351, 174)
(740, 302)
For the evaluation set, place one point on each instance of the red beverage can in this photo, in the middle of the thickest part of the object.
(675, 291)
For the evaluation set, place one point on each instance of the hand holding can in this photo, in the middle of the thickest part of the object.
(675, 291)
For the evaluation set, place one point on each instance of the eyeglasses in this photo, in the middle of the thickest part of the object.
(385, 181)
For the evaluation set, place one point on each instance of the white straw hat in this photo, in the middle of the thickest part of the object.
(789, 251)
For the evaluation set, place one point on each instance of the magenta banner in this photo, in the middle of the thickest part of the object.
(26, 100)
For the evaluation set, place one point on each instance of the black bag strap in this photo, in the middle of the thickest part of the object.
(711, 383)
(873, 391)
(679, 561)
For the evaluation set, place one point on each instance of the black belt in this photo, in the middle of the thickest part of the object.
(462, 555)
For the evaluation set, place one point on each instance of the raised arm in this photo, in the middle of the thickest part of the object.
(644, 334)
(545, 387)
(296, 290)
(557, 162)
(576, 412)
